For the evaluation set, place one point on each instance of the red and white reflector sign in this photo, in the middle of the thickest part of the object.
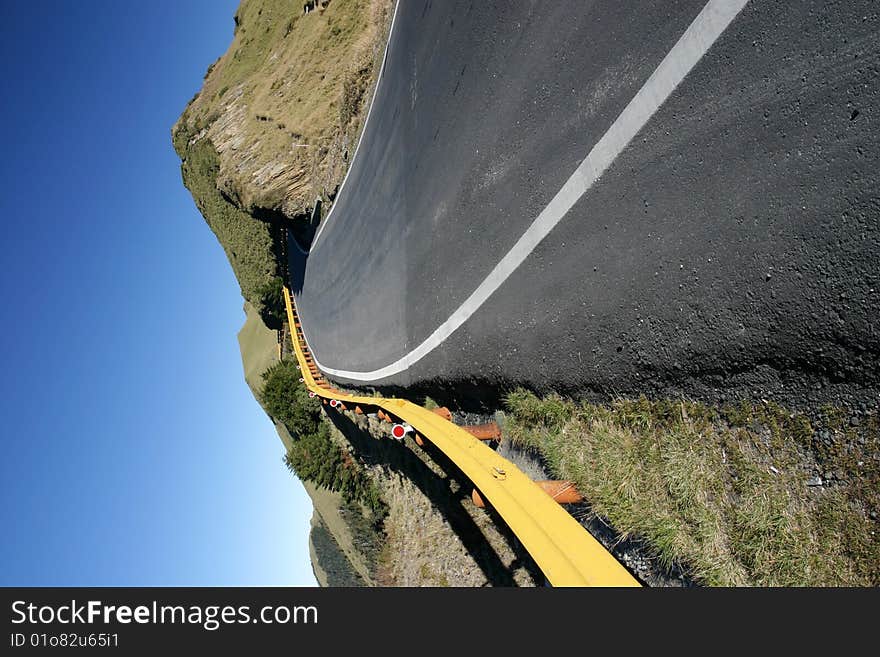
(334, 403)
(398, 431)
(301, 380)
(312, 394)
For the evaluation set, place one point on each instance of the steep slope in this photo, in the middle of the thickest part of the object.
(664, 286)
(272, 128)
(269, 133)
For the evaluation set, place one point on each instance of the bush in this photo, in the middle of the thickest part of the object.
(272, 308)
(287, 400)
(314, 456)
(249, 243)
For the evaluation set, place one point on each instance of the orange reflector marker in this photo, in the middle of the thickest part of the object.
(563, 492)
(488, 431)
(478, 501)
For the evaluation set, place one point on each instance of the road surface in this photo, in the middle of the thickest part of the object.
(663, 196)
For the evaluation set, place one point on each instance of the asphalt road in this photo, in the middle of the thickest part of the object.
(730, 246)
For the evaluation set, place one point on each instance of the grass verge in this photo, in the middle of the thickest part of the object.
(750, 494)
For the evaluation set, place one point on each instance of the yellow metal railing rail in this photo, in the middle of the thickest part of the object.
(567, 553)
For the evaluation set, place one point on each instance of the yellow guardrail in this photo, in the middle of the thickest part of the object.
(567, 553)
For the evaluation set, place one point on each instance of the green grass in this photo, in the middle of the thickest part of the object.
(248, 243)
(333, 567)
(720, 492)
(259, 349)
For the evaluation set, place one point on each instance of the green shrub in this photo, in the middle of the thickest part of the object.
(248, 242)
(314, 456)
(272, 308)
(287, 400)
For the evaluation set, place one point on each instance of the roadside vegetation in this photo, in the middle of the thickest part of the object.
(332, 567)
(274, 124)
(745, 495)
(272, 128)
(271, 296)
(314, 456)
(284, 105)
(248, 243)
(749, 494)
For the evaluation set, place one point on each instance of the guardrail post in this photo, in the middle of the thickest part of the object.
(567, 553)
(563, 492)
(443, 412)
(488, 431)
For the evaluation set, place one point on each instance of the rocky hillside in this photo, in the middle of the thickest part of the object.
(274, 124)
(269, 134)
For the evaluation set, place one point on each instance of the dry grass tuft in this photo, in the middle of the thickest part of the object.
(728, 494)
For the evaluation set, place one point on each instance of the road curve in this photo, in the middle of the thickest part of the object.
(705, 180)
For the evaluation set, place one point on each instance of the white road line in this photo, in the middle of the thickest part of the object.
(690, 48)
(363, 130)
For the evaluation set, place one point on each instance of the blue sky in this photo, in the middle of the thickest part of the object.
(133, 451)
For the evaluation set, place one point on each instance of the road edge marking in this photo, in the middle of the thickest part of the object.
(696, 41)
(364, 129)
